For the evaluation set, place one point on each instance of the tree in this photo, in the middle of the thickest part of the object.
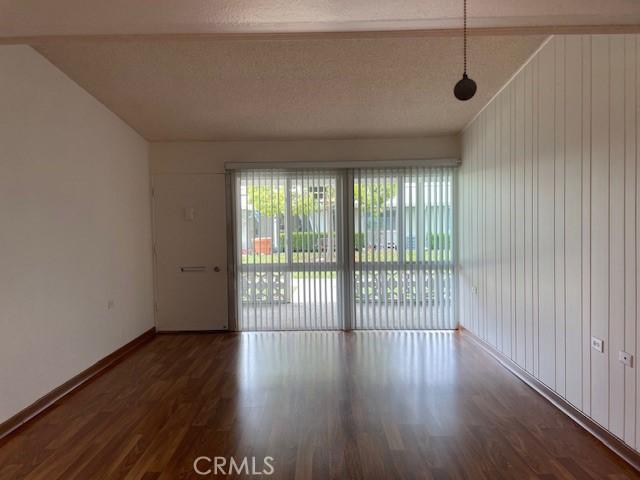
(266, 200)
(270, 201)
(371, 198)
(374, 197)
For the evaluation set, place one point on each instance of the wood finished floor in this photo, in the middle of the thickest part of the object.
(369, 405)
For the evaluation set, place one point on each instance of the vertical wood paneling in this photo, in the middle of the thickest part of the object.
(629, 234)
(498, 230)
(483, 227)
(616, 235)
(513, 222)
(586, 224)
(553, 223)
(559, 204)
(507, 315)
(463, 232)
(519, 221)
(546, 219)
(477, 258)
(573, 221)
(528, 216)
(535, 65)
(600, 226)
(637, 264)
(637, 242)
(490, 225)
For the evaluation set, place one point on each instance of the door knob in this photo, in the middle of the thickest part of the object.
(216, 269)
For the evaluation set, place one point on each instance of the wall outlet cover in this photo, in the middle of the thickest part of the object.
(626, 358)
(597, 344)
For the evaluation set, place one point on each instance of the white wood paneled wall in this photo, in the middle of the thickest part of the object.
(548, 212)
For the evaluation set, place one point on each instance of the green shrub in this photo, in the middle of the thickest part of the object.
(312, 241)
(439, 241)
(305, 241)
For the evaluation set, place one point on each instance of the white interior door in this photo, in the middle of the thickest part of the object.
(191, 251)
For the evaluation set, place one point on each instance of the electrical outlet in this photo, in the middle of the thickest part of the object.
(110, 304)
(474, 289)
(597, 344)
(626, 358)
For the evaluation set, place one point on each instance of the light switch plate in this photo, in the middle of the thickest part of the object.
(597, 344)
(626, 358)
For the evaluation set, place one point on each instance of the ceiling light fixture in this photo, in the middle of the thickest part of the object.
(466, 87)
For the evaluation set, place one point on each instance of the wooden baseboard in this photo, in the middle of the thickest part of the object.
(607, 438)
(41, 405)
(192, 332)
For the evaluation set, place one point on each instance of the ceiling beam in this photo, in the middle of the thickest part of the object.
(418, 33)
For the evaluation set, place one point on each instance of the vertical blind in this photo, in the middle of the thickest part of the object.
(288, 228)
(305, 262)
(403, 225)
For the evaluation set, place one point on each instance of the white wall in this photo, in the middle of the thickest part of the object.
(548, 223)
(74, 230)
(210, 157)
(205, 158)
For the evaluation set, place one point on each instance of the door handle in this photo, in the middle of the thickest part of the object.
(193, 269)
(216, 269)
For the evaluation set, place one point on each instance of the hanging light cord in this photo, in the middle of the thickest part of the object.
(464, 33)
(466, 88)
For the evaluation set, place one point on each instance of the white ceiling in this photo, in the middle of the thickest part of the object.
(25, 18)
(285, 69)
(290, 88)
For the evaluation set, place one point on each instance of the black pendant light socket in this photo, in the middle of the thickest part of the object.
(465, 88)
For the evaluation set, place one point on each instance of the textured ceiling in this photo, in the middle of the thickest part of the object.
(113, 17)
(193, 70)
(289, 88)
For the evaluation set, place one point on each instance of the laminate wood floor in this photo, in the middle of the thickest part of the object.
(364, 405)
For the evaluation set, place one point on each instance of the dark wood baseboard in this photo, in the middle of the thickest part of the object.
(192, 332)
(607, 438)
(41, 405)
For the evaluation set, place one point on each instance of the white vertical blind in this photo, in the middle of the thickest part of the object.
(287, 224)
(290, 238)
(403, 248)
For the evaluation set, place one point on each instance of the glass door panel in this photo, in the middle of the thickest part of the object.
(403, 229)
(292, 239)
(287, 250)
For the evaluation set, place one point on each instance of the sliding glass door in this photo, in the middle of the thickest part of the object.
(359, 248)
(288, 250)
(403, 226)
